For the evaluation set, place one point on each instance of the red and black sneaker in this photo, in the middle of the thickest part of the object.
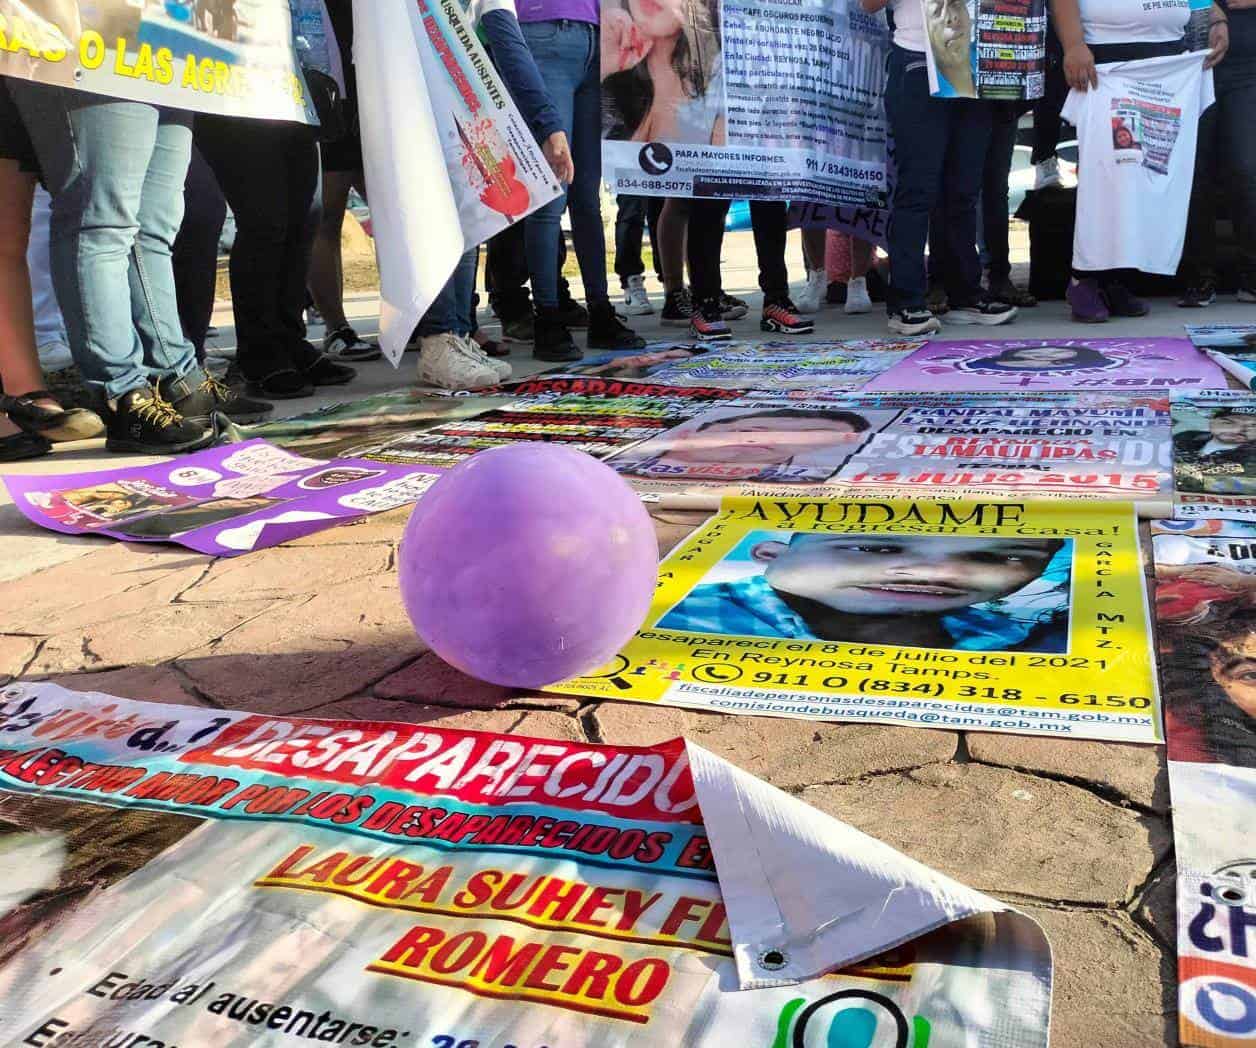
(783, 318)
(706, 323)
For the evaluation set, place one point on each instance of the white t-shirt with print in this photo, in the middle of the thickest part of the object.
(1136, 137)
(1134, 21)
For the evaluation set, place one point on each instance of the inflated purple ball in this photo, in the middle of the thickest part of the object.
(528, 564)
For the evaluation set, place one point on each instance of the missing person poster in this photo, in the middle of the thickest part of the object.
(1206, 619)
(222, 501)
(993, 616)
(389, 884)
(1130, 365)
(211, 56)
(745, 99)
(595, 416)
(994, 49)
(908, 445)
(1214, 454)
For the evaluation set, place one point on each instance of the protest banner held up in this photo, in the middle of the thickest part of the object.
(391, 884)
(183, 54)
(775, 100)
(1026, 617)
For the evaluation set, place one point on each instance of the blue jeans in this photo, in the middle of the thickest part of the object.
(451, 310)
(568, 56)
(115, 171)
(940, 152)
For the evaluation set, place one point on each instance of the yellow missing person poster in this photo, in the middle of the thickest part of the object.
(988, 616)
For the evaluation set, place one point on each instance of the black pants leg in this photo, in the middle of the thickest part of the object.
(506, 274)
(629, 229)
(654, 208)
(268, 172)
(994, 220)
(195, 255)
(767, 220)
(704, 245)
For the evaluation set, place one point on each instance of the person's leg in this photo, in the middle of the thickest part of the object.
(629, 229)
(705, 242)
(767, 223)
(20, 372)
(1237, 114)
(51, 340)
(1199, 250)
(326, 275)
(811, 298)
(446, 359)
(561, 56)
(195, 257)
(813, 239)
(584, 194)
(858, 300)
(506, 276)
(923, 121)
(94, 153)
(1047, 109)
(966, 149)
(653, 209)
(670, 245)
(994, 192)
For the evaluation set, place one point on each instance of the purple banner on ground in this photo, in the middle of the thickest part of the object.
(223, 501)
(1061, 364)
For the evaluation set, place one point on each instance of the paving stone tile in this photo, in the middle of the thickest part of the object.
(789, 754)
(153, 590)
(1157, 906)
(429, 679)
(15, 653)
(1113, 986)
(542, 724)
(307, 653)
(1136, 773)
(1000, 830)
(145, 683)
(152, 636)
(287, 571)
(376, 527)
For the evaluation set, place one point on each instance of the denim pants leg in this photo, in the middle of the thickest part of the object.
(50, 333)
(95, 153)
(168, 353)
(967, 143)
(567, 55)
(450, 310)
(921, 126)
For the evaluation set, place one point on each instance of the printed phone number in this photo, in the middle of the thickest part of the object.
(881, 686)
(663, 185)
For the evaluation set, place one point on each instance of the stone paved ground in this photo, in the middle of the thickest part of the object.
(1077, 833)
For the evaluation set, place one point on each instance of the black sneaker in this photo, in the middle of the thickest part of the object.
(677, 308)
(1197, 296)
(572, 313)
(732, 307)
(553, 342)
(521, 331)
(914, 322)
(986, 311)
(143, 421)
(782, 317)
(347, 345)
(607, 331)
(197, 395)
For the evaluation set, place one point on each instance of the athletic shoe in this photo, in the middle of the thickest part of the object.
(936, 300)
(857, 300)
(677, 308)
(1005, 291)
(500, 368)
(914, 322)
(346, 345)
(1047, 173)
(1124, 303)
(520, 331)
(636, 301)
(811, 297)
(782, 318)
(144, 422)
(1247, 293)
(571, 312)
(1087, 301)
(446, 361)
(313, 318)
(706, 323)
(986, 311)
(197, 395)
(553, 342)
(607, 331)
(1197, 296)
(732, 307)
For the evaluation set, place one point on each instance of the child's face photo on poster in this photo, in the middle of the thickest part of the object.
(964, 592)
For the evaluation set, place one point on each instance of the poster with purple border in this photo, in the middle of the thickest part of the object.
(1059, 364)
(223, 501)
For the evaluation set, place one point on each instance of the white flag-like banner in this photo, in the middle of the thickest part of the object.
(449, 159)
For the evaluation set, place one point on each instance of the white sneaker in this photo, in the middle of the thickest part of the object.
(1047, 173)
(446, 362)
(914, 322)
(636, 301)
(501, 368)
(811, 298)
(857, 300)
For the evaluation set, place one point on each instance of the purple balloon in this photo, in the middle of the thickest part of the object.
(528, 564)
